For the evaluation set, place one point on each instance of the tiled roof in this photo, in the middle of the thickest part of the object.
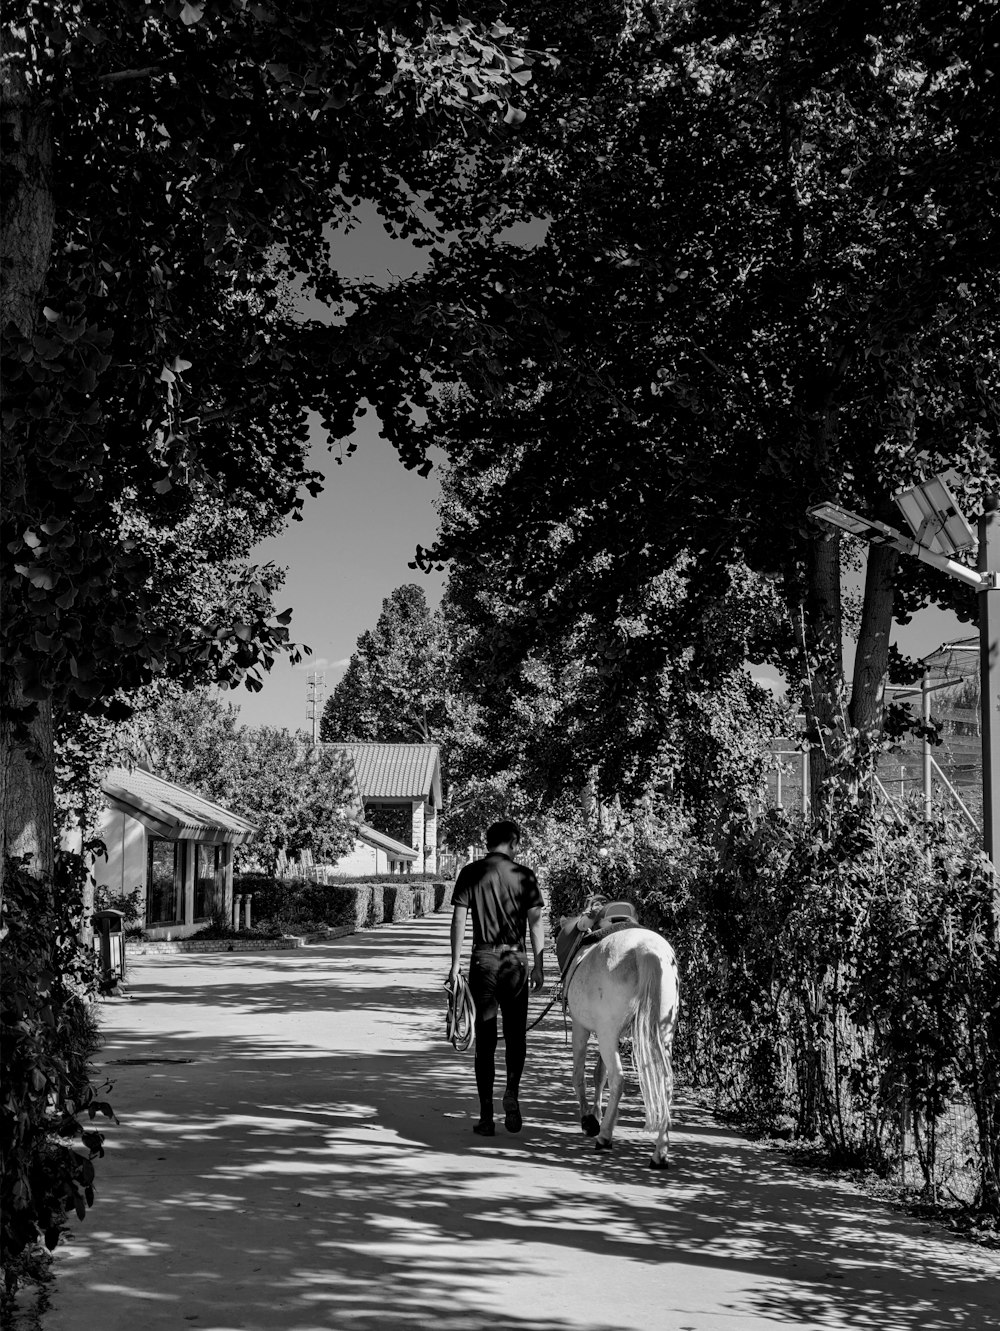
(395, 771)
(395, 848)
(171, 811)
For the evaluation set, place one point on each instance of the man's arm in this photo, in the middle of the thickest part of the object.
(536, 929)
(457, 934)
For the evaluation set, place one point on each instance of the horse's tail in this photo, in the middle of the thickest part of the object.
(651, 1044)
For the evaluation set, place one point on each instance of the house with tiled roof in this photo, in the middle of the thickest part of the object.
(399, 788)
(174, 845)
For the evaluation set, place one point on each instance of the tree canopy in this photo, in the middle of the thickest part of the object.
(299, 797)
(167, 167)
(395, 684)
(765, 274)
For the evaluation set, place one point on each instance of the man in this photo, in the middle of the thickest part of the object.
(503, 897)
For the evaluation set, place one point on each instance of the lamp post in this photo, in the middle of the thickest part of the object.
(989, 673)
(941, 533)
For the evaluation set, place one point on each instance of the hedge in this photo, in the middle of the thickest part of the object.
(361, 903)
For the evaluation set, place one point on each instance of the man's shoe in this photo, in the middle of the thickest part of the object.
(512, 1114)
(485, 1128)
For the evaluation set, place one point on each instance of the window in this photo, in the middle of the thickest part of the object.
(164, 881)
(209, 882)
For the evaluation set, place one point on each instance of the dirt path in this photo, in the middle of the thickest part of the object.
(295, 1154)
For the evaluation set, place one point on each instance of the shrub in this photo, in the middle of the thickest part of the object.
(397, 903)
(48, 1037)
(351, 904)
(837, 974)
(219, 929)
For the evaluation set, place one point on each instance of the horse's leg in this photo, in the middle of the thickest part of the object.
(581, 1036)
(616, 1081)
(597, 1108)
(656, 1027)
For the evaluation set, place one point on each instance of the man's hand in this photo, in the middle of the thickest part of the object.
(452, 979)
(538, 974)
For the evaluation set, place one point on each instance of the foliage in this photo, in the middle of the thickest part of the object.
(294, 905)
(394, 686)
(131, 904)
(834, 978)
(649, 859)
(299, 798)
(49, 1035)
(757, 276)
(202, 152)
(172, 170)
(219, 929)
(831, 974)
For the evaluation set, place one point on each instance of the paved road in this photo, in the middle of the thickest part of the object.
(295, 1154)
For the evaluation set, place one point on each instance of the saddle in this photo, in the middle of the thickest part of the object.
(600, 918)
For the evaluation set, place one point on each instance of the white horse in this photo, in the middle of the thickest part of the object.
(628, 976)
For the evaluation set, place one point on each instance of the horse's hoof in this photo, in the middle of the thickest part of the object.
(602, 1145)
(663, 1163)
(590, 1125)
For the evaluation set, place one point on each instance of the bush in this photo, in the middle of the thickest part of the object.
(49, 1035)
(298, 905)
(397, 903)
(354, 905)
(837, 975)
(221, 930)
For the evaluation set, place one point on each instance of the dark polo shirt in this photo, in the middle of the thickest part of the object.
(499, 893)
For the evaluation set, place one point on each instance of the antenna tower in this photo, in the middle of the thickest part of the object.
(315, 689)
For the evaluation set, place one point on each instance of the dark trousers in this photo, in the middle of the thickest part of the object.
(499, 983)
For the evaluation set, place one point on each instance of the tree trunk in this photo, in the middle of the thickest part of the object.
(27, 801)
(873, 642)
(28, 208)
(818, 629)
(27, 792)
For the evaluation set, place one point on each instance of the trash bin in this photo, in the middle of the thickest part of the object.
(109, 942)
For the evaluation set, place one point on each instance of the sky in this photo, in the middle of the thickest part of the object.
(357, 538)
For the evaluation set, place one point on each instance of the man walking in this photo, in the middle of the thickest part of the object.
(504, 897)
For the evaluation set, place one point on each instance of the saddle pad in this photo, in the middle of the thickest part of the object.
(581, 941)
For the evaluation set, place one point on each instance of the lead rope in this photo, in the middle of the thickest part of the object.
(548, 1008)
(461, 1014)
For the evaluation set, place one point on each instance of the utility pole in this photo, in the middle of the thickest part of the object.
(315, 688)
(989, 665)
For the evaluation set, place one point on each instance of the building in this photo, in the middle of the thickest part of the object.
(374, 853)
(173, 845)
(399, 789)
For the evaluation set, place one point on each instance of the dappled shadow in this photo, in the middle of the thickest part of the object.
(326, 1185)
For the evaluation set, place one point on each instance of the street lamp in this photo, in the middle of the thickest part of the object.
(941, 533)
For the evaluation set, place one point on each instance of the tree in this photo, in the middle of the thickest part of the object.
(298, 797)
(553, 717)
(395, 684)
(167, 167)
(766, 278)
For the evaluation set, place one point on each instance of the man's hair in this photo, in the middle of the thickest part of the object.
(499, 834)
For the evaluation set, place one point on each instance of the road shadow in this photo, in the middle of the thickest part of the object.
(345, 1188)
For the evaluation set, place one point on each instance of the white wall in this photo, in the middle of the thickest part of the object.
(125, 868)
(363, 859)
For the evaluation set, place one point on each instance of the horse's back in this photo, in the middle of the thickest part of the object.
(636, 941)
(607, 979)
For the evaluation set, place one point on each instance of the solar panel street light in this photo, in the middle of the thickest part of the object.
(870, 529)
(934, 517)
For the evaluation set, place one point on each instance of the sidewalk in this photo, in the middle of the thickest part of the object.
(295, 1154)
